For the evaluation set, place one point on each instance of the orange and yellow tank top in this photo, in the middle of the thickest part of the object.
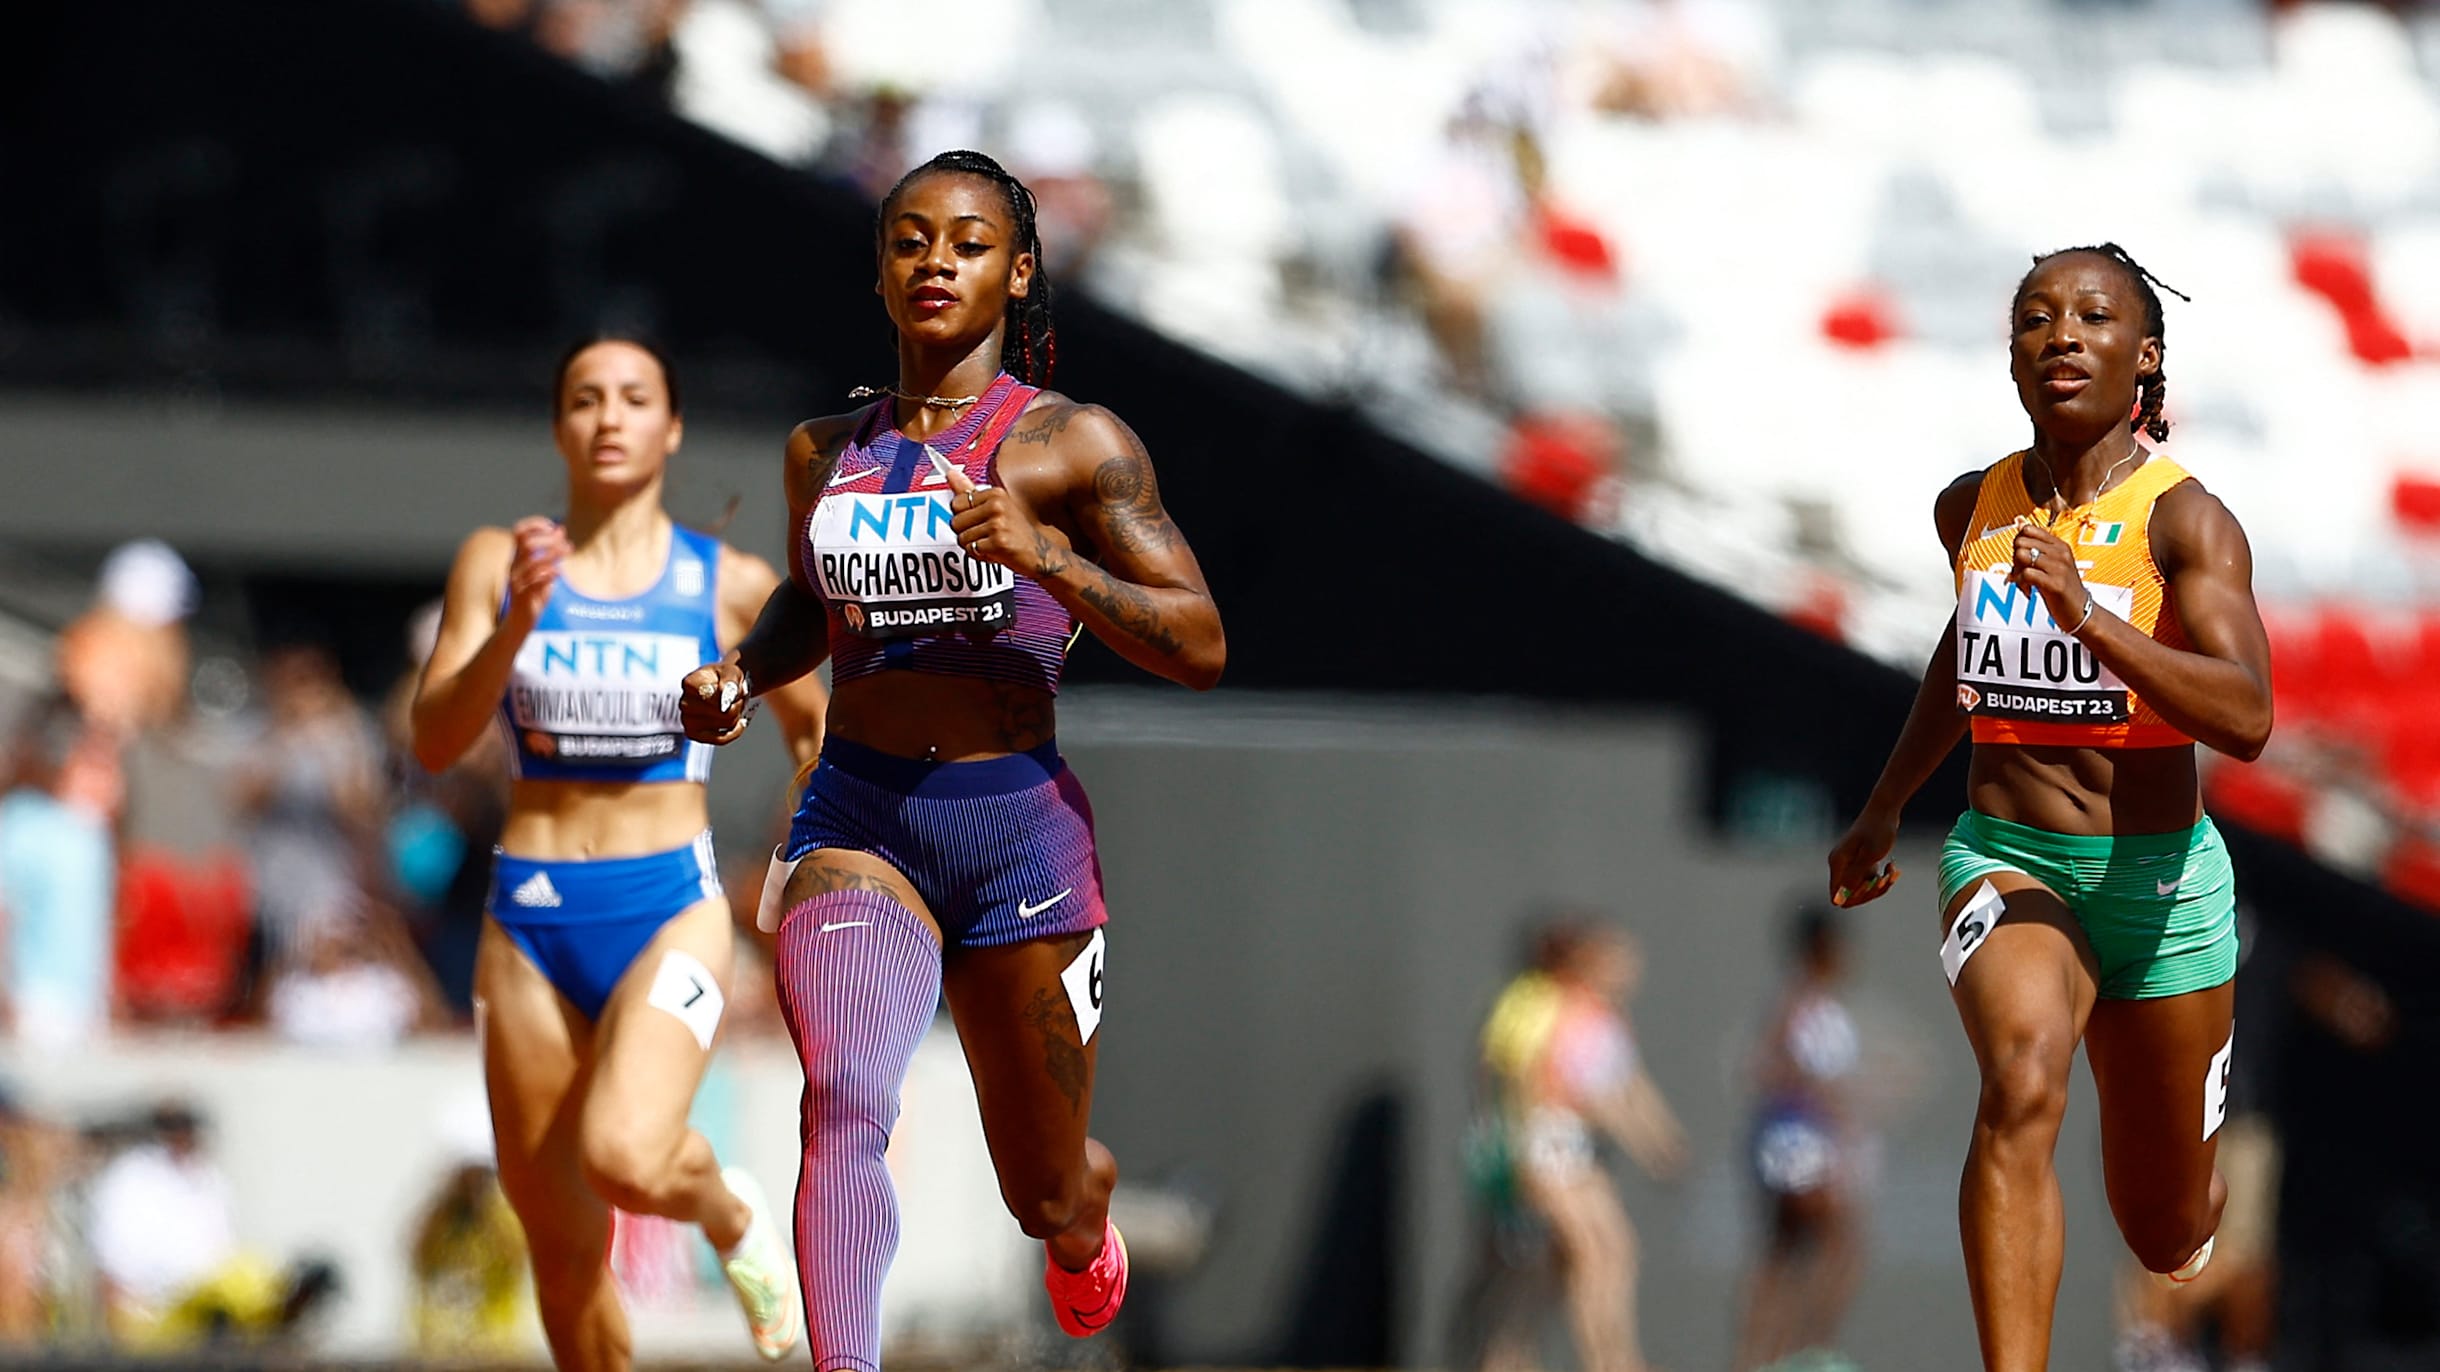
(2020, 675)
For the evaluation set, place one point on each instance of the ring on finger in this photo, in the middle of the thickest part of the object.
(2033, 555)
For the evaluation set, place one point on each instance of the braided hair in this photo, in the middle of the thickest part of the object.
(1029, 337)
(2151, 392)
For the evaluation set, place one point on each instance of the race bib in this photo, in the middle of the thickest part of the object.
(608, 695)
(2016, 662)
(892, 565)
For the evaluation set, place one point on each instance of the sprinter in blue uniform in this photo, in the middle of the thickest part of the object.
(598, 986)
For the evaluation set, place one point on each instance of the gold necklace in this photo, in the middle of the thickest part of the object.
(929, 402)
(2059, 493)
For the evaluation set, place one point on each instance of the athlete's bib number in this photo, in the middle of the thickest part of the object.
(2014, 661)
(892, 565)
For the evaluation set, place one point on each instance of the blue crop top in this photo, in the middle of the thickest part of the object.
(594, 692)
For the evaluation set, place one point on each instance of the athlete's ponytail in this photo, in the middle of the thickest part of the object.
(1030, 346)
(2151, 392)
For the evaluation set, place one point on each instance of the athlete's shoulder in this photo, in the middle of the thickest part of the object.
(1050, 417)
(2188, 520)
(814, 447)
(1953, 508)
(486, 551)
(830, 430)
(743, 574)
(487, 538)
(1079, 436)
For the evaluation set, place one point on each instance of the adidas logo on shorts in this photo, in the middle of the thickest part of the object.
(536, 891)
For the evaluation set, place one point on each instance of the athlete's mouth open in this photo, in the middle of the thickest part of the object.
(2064, 379)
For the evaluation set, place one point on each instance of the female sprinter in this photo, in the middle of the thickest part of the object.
(597, 983)
(1804, 1158)
(941, 554)
(1563, 1068)
(2105, 625)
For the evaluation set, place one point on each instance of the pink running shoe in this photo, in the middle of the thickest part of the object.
(1085, 1302)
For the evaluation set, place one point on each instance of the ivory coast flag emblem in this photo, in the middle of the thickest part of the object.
(2103, 535)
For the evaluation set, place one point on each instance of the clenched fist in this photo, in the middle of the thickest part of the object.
(712, 704)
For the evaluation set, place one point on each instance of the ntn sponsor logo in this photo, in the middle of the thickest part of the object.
(896, 518)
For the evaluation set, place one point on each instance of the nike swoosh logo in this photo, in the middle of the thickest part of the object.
(846, 924)
(842, 478)
(1025, 911)
(2167, 888)
(1098, 1318)
(1995, 529)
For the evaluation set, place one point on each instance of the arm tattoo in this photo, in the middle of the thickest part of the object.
(1054, 559)
(1054, 422)
(1129, 503)
(1062, 1056)
(1131, 610)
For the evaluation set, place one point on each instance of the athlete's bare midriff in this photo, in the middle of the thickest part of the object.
(562, 821)
(2087, 791)
(944, 718)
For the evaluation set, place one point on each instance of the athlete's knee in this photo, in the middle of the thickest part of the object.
(849, 1104)
(1047, 1203)
(2024, 1088)
(859, 978)
(2163, 1232)
(626, 1165)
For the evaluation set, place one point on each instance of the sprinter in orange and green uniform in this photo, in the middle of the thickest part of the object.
(2105, 625)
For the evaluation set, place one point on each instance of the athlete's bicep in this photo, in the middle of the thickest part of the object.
(470, 604)
(1115, 500)
(2209, 566)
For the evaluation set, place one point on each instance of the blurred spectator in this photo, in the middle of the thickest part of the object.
(621, 41)
(513, 16)
(56, 877)
(1805, 1159)
(164, 1220)
(801, 56)
(311, 785)
(1053, 151)
(357, 985)
(441, 830)
(876, 143)
(1678, 59)
(1560, 1064)
(125, 661)
(34, 1160)
(468, 1254)
(1459, 234)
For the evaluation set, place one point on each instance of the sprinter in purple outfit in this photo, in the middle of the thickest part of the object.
(950, 541)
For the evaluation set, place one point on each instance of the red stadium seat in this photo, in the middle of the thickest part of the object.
(2260, 796)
